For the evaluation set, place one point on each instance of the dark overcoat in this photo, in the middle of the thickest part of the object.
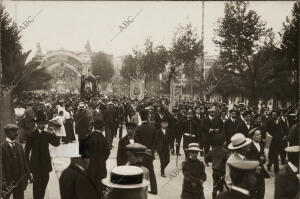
(74, 183)
(7, 166)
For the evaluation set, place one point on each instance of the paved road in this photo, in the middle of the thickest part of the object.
(169, 187)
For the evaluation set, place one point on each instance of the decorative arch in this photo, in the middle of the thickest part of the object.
(71, 67)
(68, 59)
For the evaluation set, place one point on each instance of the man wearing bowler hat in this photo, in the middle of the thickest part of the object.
(126, 182)
(40, 160)
(14, 165)
(240, 145)
(243, 175)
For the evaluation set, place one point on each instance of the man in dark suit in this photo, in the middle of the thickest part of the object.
(159, 115)
(245, 125)
(276, 130)
(287, 180)
(82, 125)
(100, 152)
(111, 123)
(210, 126)
(145, 135)
(162, 143)
(189, 128)
(40, 160)
(256, 152)
(128, 139)
(199, 116)
(75, 181)
(14, 165)
(230, 126)
(243, 175)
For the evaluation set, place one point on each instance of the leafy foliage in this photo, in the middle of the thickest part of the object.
(186, 48)
(241, 36)
(102, 66)
(16, 72)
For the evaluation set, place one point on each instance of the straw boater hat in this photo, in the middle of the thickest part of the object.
(10, 127)
(126, 177)
(292, 149)
(239, 141)
(193, 147)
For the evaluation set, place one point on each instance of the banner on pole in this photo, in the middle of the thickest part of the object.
(137, 89)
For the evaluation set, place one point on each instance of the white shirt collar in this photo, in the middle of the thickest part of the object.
(256, 144)
(241, 190)
(210, 117)
(241, 156)
(163, 130)
(293, 167)
(9, 140)
(131, 141)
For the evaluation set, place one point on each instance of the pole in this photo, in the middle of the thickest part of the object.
(202, 43)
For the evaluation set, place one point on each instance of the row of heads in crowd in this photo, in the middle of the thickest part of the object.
(38, 101)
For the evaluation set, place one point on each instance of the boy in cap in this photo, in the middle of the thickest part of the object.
(40, 161)
(218, 155)
(162, 142)
(128, 139)
(243, 175)
(287, 180)
(194, 174)
(15, 167)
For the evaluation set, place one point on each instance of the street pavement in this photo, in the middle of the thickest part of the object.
(168, 188)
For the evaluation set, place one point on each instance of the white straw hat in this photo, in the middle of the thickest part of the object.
(238, 141)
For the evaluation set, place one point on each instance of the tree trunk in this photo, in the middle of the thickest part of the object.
(7, 114)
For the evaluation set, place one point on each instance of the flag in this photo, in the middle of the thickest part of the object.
(137, 89)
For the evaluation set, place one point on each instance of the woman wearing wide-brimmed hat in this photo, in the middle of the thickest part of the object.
(194, 174)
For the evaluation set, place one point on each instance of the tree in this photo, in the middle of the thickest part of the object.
(153, 62)
(15, 74)
(186, 48)
(241, 35)
(129, 67)
(290, 48)
(102, 66)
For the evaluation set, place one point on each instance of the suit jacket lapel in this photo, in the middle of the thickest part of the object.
(7, 150)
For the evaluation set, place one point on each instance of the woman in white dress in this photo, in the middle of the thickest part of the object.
(60, 119)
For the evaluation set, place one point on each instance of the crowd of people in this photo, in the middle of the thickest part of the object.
(231, 142)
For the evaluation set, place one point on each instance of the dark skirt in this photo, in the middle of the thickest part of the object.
(70, 136)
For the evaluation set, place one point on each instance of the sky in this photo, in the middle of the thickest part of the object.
(69, 25)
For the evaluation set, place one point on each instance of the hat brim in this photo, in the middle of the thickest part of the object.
(193, 149)
(248, 141)
(108, 183)
(292, 149)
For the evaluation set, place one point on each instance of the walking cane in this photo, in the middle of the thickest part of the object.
(176, 155)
